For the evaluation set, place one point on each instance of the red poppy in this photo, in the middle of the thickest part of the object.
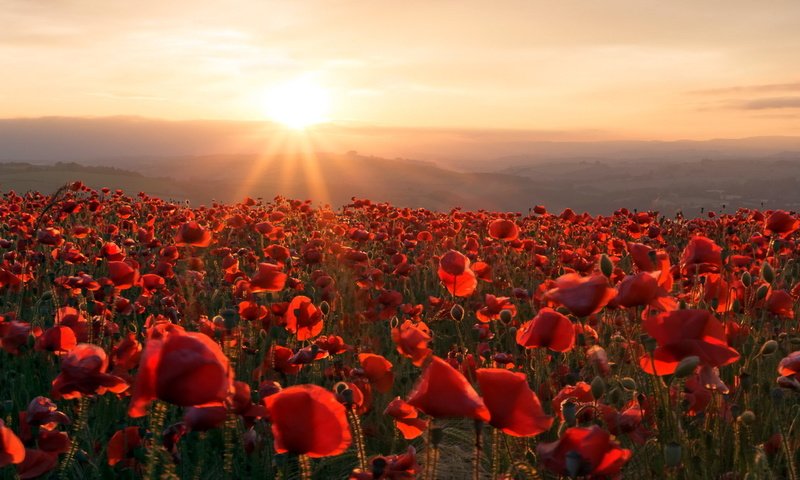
(308, 420)
(583, 296)
(503, 229)
(83, 372)
(514, 408)
(493, 306)
(122, 443)
(780, 303)
(701, 255)
(269, 278)
(12, 450)
(123, 275)
(583, 452)
(37, 462)
(643, 289)
(684, 333)
(790, 365)
(378, 370)
(303, 318)
(412, 341)
(548, 329)
(456, 275)
(442, 391)
(781, 223)
(59, 339)
(406, 418)
(191, 233)
(179, 367)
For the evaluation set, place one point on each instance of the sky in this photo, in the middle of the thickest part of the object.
(616, 69)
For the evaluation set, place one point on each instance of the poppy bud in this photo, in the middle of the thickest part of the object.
(436, 435)
(457, 313)
(761, 293)
(506, 316)
(747, 279)
(769, 347)
(649, 343)
(628, 383)
(573, 463)
(687, 366)
(598, 387)
(747, 417)
(325, 307)
(569, 411)
(672, 454)
(795, 341)
(614, 396)
(606, 266)
(767, 273)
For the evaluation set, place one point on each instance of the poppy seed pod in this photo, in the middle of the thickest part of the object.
(687, 366)
(747, 417)
(672, 454)
(457, 313)
(769, 347)
(767, 273)
(506, 316)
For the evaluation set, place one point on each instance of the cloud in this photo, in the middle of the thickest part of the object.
(770, 103)
(750, 89)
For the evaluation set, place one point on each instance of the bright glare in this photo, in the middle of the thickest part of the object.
(298, 104)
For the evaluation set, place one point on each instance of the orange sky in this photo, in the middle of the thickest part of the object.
(632, 69)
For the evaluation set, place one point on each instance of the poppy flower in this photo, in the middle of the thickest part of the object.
(378, 370)
(269, 278)
(123, 275)
(443, 391)
(308, 420)
(83, 372)
(515, 409)
(685, 333)
(122, 443)
(303, 318)
(643, 289)
(780, 303)
(182, 368)
(394, 467)
(789, 366)
(493, 306)
(37, 462)
(412, 341)
(191, 233)
(58, 338)
(548, 329)
(202, 418)
(503, 229)
(406, 418)
(456, 275)
(781, 223)
(701, 255)
(583, 452)
(12, 451)
(582, 296)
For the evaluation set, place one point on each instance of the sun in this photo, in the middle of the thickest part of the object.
(298, 104)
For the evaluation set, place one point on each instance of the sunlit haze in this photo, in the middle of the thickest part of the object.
(630, 69)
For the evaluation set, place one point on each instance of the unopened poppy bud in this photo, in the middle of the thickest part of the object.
(606, 266)
(747, 417)
(563, 310)
(614, 396)
(569, 411)
(628, 383)
(687, 366)
(769, 347)
(573, 463)
(767, 273)
(598, 387)
(672, 454)
(506, 316)
(761, 293)
(457, 313)
(649, 343)
(747, 279)
(325, 307)
(436, 436)
(795, 341)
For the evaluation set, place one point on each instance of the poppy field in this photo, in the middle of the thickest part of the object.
(144, 338)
